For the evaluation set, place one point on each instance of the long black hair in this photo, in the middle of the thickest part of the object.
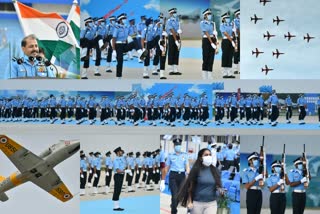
(190, 183)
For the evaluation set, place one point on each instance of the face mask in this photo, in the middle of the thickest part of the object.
(112, 22)
(227, 20)
(174, 15)
(300, 166)
(161, 20)
(177, 148)
(277, 169)
(90, 24)
(84, 158)
(207, 160)
(238, 16)
(144, 21)
(209, 17)
(124, 21)
(255, 163)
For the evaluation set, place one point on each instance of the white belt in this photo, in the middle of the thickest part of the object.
(120, 42)
(299, 190)
(255, 188)
(227, 37)
(277, 191)
(205, 36)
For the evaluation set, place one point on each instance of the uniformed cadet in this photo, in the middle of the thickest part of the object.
(223, 105)
(86, 37)
(121, 42)
(119, 166)
(236, 31)
(133, 32)
(147, 43)
(138, 169)
(120, 112)
(161, 46)
(90, 162)
(230, 157)
(96, 171)
(217, 109)
(157, 34)
(302, 103)
(236, 149)
(278, 196)
(78, 109)
(204, 110)
(108, 40)
(109, 166)
(228, 46)
(92, 104)
(288, 105)
(70, 108)
(149, 168)
(251, 179)
(297, 180)
(273, 102)
(103, 110)
(255, 109)
(130, 166)
(172, 114)
(318, 107)
(261, 108)
(174, 31)
(209, 43)
(52, 108)
(83, 174)
(187, 109)
(144, 173)
(140, 27)
(62, 104)
(234, 106)
(156, 178)
(178, 166)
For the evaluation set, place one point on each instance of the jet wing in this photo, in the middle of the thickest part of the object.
(22, 158)
(51, 183)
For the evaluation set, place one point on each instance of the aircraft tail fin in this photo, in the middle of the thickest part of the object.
(3, 197)
(2, 178)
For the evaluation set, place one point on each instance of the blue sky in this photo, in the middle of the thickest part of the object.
(300, 58)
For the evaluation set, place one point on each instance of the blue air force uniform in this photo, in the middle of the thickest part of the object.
(288, 102)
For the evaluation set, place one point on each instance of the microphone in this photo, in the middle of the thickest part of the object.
(47, 63)
(18, 60)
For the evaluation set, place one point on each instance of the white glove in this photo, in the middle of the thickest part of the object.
(137, 172)
(161, 48)
(90, 171)
(233, 44)
(179, 31)
(287, 109)
(114, 54)
(130, 173)
(281, 181)
(164, 33)
(162, 185)
(107, 173)
(260, 176)
(213, 46)
(270, 110)
(157, 171)
(147, 173)
(177, 43)
(154, 172)
(143, 172)
(299, 110)
(129, 39)
(95, 175)
(303, 180)
(81, 176)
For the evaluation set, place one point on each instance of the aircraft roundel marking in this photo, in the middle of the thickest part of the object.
(3, 140)
(66, 196)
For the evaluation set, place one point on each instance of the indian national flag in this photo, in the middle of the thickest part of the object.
(54, 34)
(74, 19)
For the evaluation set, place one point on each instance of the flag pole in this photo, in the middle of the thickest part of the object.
(16, 6)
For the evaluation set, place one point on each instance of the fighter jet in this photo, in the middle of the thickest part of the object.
(257, 52)
(255, 18)
(264, 2)
(277, 53)
(266, 69)
(278, 20)
(308, 37)
(37, 168)
(289, 36)
(268, 35)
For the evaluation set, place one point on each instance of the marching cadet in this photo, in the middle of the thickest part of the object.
(274, 107)
(62, 104)
(148, 168)
(138, 169)
(109, 166)
(204, 110)
(96, 171)
(119, 166)
(144, 173)
(187, 109)
(147, 36)
(174, 32)
(318, 106)
(172, 114)
(255, 110)
(110, 28)
(78, 110)
(194, 110)
(261, 109)
(86, 38)
(248, 104)
(233, 106)
(156, 178)
(103, 109)
(83, 174)
(179, 108)
(130, 166)
(158, 31)
(178, 166)
(251, 179)
(52, 108)
(209, 43)
(228, 46)
(230, 157)
(119, 108)
(275, 182)
(217, 109)
(223, 105)
(90, 162)
(133, 32)
(141, 26)
(296, 182)
(70, 108)
(100, 31)
(302, 103)
(288, 105)
(43, 108)
(162, 45)
(236, 31)
(220, 158)
(236, 149)
(92, 104)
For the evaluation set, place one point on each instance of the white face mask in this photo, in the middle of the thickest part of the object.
(227, 20)
(207, 160)
(175, 15)
(209, 17)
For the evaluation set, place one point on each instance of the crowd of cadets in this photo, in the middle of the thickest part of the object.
(140, 170)
(167, 109)
(154, 39)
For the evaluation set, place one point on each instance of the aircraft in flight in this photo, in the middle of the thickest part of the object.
(308, 37)
(255, 18)
(277, 53)
(257, 52)
(266, 69)
(278, 20)
(289, 36)
(268, 35)
(37, 168)
(264, 2)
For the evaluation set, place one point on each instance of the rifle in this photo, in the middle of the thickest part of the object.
(262, 166)
(283, 168)
(305, 163)
(163, 41)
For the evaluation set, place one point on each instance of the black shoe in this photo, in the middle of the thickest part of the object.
(158, 70)
(236, 72)
(154, 73)
(232, 77)
(171, 73)
(97, 74)
(84, 78)
(109, 71)
(146, 77)
(163, 78)
(177, 73)
(225, 77)
(118, 209)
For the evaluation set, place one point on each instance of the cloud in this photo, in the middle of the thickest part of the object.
(83, 2)
(153, 4)
(195, 89)
(147, 86)
(84, 14)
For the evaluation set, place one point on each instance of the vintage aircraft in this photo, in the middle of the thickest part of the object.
(257, 52)
(268, 35)
(255, 18)
(308, 37)
(278, 20)
(37, 169)
(277, 53)
(289, 36)
(266, 69)
(264, 2)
